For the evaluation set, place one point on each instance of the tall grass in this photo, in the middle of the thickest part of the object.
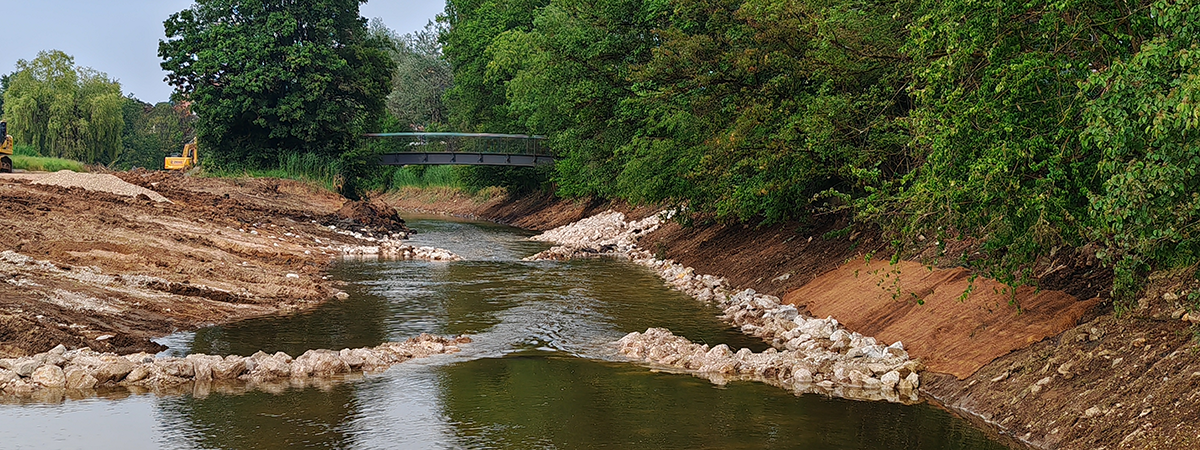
(307, 167)
(26, 157)
(424, 176)
(327, 172)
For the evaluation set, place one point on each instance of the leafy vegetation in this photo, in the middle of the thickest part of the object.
(63, 110)
(422, 76)
(60, 110)
(1027, 127)
(269, 79)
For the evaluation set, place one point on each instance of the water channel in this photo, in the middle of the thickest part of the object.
(539, 375)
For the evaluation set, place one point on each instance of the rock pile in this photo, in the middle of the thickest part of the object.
(818, 368)
(397, 250)
(602, 234)
(85, 370)
(809, 354)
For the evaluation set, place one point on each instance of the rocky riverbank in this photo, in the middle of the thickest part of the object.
(138, 255)
(809, 354)
(80, 373)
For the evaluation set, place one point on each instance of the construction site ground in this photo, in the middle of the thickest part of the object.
(103, 269)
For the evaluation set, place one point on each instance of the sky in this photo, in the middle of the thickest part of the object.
(120, 37)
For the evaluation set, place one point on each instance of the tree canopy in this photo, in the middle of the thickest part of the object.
(64, 110)
(269, 78)
(1023, 126)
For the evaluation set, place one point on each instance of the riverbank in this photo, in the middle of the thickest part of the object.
(108, 262)
(1091, 380)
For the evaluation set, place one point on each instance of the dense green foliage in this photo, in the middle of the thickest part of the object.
(422, 76)
(63, 110)
(1027, 126)
(153, 131)
(271, 78)
(999, 122)
(1144, 124)
(60, 110)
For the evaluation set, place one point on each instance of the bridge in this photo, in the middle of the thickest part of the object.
(475, 149)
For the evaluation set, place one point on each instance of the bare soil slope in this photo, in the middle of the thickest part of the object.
(91, 268)
(926, 309)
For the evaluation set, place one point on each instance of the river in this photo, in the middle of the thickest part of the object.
(540, 373)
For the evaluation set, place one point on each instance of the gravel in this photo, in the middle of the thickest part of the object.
(98, 182)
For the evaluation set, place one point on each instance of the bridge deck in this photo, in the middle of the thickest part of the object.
(476, 149)
(463, 158)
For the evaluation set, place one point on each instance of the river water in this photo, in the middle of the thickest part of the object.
(540, 373)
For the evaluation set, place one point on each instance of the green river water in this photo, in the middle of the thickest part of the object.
(540, 373)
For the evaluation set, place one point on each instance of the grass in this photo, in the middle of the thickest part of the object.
(25, 157)
(424, 176)
(307, 167)
(326, 173)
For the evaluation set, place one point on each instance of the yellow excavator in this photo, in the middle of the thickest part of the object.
(6, 149)
(190, 158)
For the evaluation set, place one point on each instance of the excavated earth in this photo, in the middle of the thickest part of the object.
(1054, 368)
(109, 268)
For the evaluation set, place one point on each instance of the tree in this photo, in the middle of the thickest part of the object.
(1143, 120)
(422, 76)
(4, 79)
(477, 102)
(153, 131)
(999, 118)
(63, 110)
(272, 77)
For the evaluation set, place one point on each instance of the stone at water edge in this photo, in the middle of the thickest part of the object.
(49, 376)
(78, 378)
(25, 366)
(7, 376)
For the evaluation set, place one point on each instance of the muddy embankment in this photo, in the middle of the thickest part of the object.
(1059, 372)
(106, 262)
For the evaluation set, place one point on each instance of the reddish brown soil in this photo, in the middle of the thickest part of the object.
(197, 259)
(925, 308)
(770, 259)
(1108, 383)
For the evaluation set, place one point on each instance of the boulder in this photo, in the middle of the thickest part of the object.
(50, 376)
(890, 380)
(25, 366)
(79, 378)
(229, 368)
(914, 380)
(176, 367)
(319, 363)
(112, 369)
(264, 367)
(7, 375)
(202, 366)
(138, 373)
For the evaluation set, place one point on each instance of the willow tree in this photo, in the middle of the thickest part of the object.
(64, 110)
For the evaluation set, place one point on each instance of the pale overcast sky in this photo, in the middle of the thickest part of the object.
(120, 37)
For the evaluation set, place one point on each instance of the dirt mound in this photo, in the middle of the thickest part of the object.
(374, 215)
(926, 310)
(98, 182)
